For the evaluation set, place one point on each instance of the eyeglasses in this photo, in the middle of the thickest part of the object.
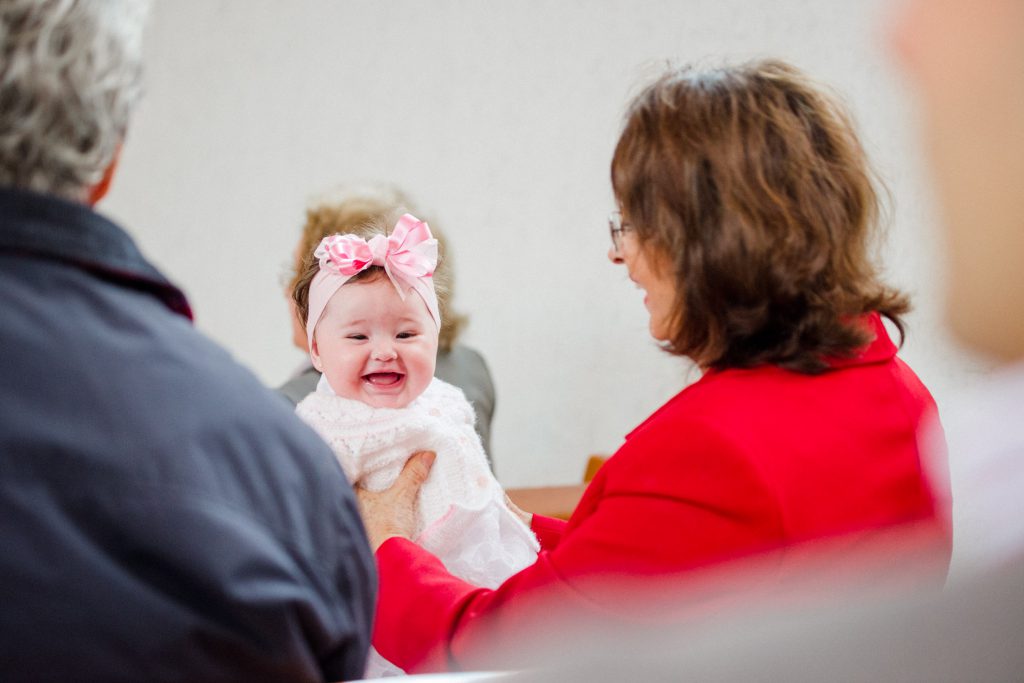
(616, 226)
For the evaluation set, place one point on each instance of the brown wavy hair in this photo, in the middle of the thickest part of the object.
(367, 211)
(749, 182)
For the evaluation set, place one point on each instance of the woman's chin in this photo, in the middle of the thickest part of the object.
(658, 332)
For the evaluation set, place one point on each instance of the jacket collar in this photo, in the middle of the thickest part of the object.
(53, 228)
(879, 350)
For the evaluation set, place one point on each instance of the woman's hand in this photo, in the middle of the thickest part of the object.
(527, 517)
(392, 512)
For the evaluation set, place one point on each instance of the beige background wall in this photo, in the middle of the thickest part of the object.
(499, 118)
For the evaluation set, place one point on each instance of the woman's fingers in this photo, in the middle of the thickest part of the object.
(416, 471)
(392, 512)
(526, 517)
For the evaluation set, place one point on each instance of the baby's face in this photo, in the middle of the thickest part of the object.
(373, 346)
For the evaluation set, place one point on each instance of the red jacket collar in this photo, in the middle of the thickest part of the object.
(879, 350)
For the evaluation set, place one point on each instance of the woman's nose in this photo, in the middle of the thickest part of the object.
(614, 256)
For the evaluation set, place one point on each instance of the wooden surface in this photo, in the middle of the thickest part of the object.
(593, 465)
(550, 501)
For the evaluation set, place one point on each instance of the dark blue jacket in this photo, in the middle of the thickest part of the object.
(163, 516)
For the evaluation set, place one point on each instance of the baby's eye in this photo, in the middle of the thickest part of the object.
(406, 335)
(357, 337)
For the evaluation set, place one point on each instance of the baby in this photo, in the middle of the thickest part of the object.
(371, 315)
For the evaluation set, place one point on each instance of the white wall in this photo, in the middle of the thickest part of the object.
(499, 119)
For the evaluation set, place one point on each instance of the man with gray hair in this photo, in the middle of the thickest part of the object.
(163, 516)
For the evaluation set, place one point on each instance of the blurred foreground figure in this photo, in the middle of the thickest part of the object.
(972, 633)
(163, 517)
(967, 58)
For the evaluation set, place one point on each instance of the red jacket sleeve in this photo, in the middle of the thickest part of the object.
(548, 530)
(661, 505)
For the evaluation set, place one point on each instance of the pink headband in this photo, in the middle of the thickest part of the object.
(409, 256)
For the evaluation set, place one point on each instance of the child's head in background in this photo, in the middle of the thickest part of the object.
(371, 312)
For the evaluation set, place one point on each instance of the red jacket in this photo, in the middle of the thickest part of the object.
(740, 462)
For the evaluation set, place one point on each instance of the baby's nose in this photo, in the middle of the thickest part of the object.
(384, 352)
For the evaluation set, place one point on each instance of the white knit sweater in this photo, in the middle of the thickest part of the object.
(462, 516)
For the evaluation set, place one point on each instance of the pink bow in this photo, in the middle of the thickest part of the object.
(408, 255)
(410, 252)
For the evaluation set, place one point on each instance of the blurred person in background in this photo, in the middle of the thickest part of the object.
(163, 516)
(355, 209)
(746, 212)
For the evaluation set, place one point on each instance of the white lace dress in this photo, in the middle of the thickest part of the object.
(462, 516)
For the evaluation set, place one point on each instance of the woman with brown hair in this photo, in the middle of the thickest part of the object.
(746, 211)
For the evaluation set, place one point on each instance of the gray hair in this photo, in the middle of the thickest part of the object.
(70, 75)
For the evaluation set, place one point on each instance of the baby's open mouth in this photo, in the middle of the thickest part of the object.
(383, 379)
